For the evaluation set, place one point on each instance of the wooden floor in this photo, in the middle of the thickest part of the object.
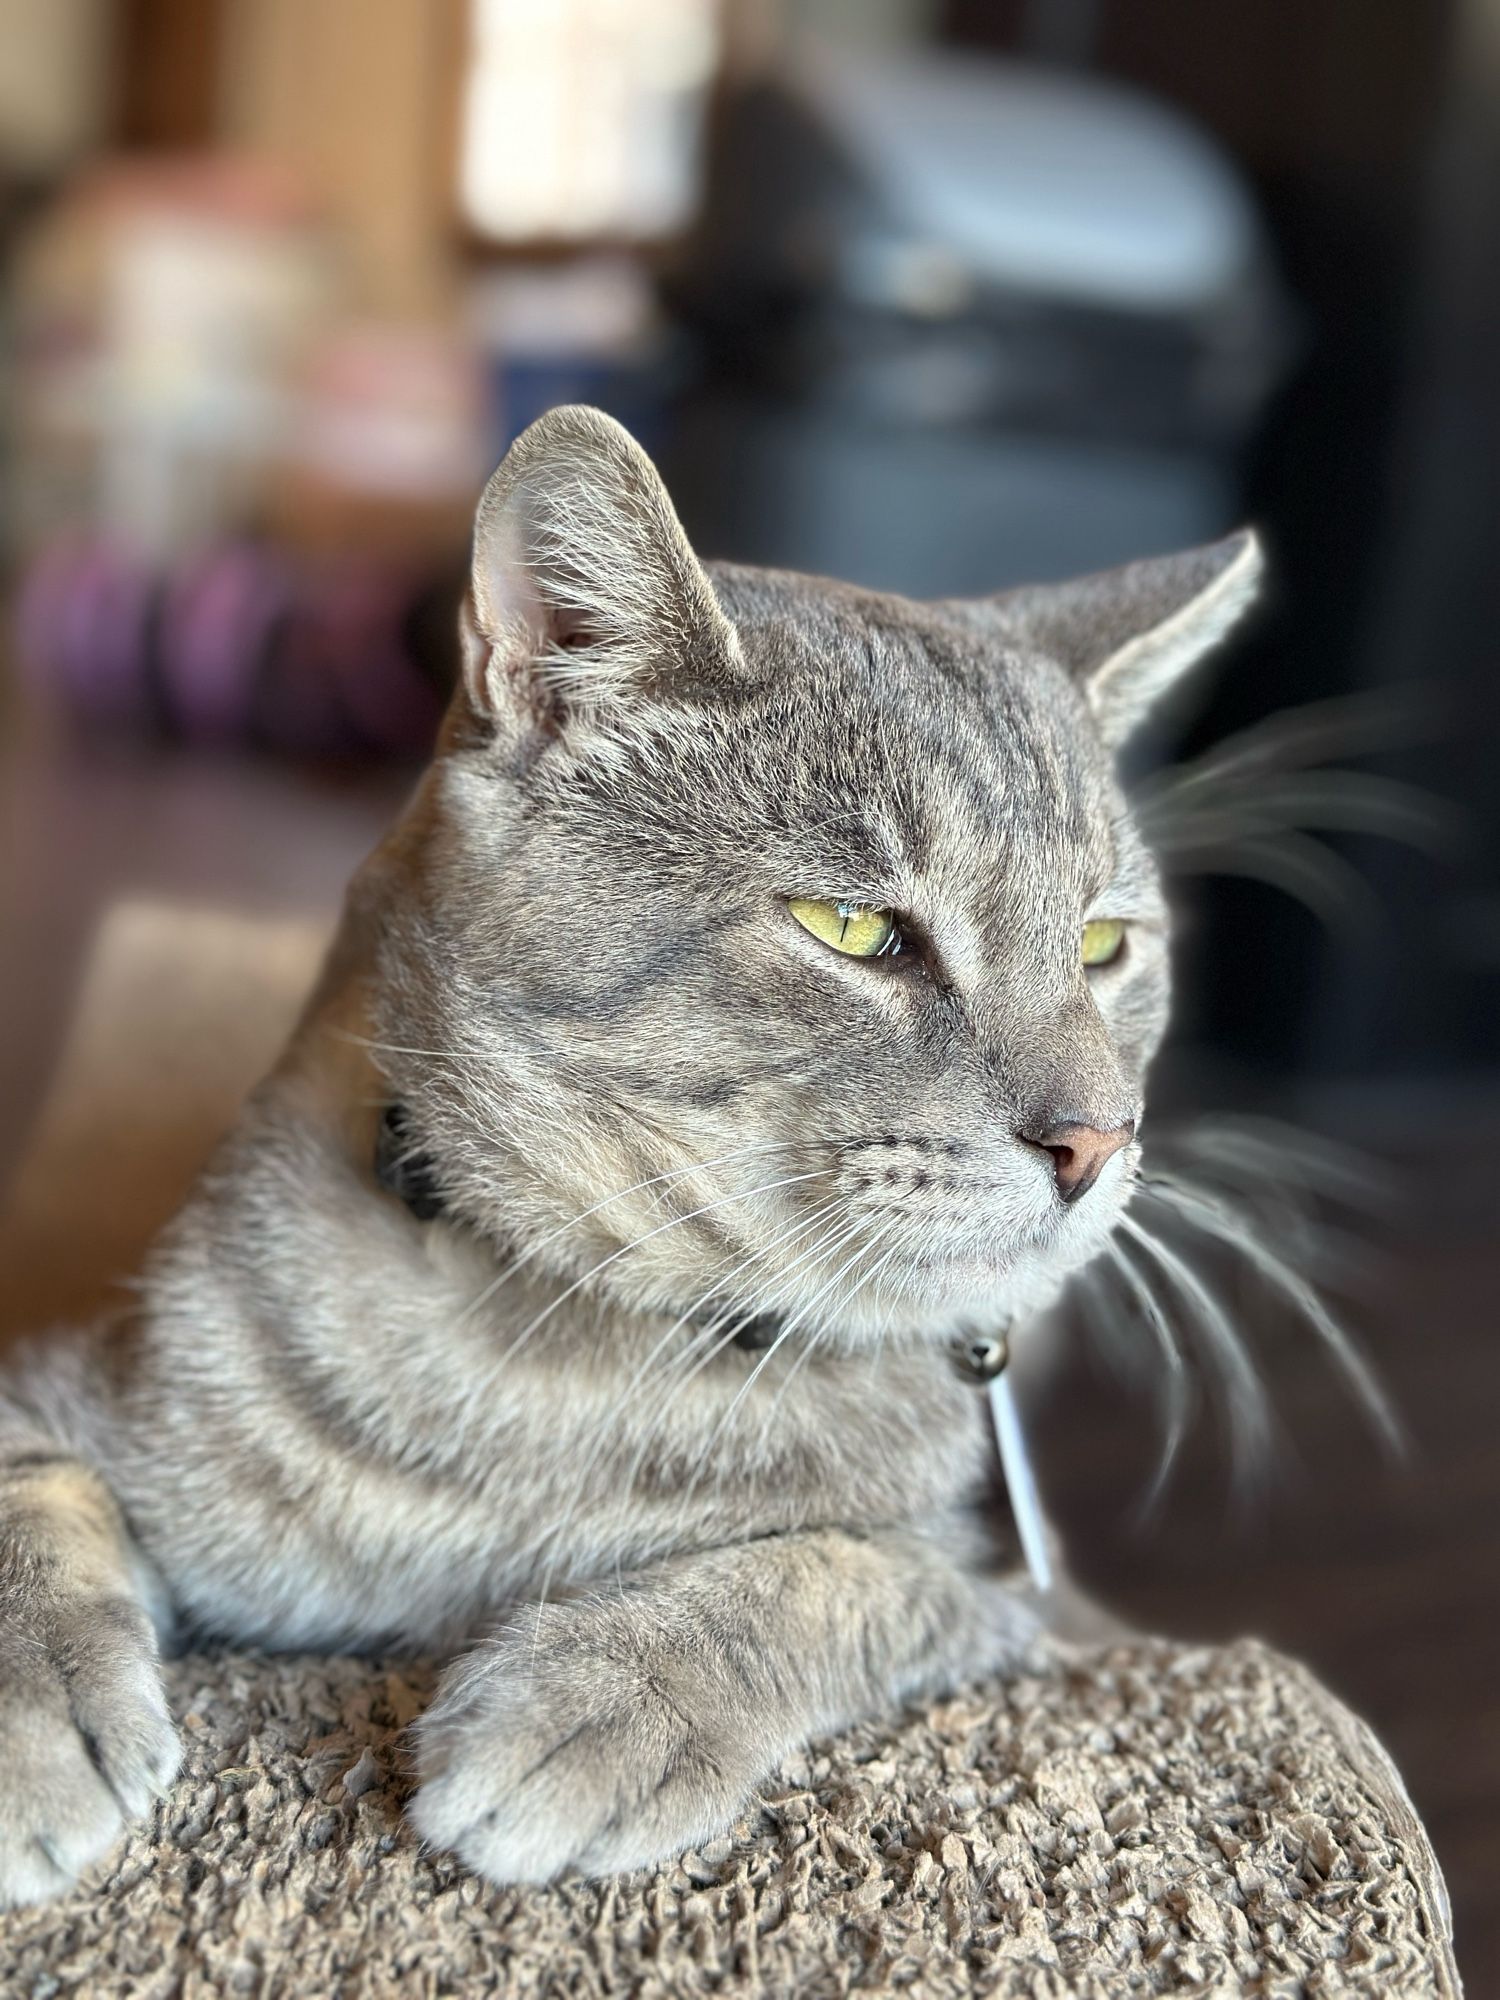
(1385, 1579)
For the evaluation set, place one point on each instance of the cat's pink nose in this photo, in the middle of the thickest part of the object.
(1079, 1153)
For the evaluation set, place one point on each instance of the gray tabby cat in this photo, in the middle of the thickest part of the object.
(758, 991)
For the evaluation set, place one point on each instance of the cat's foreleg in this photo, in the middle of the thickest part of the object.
(85, 1737)
(619, 1728)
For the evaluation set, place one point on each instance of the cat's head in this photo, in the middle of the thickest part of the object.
(795, 936)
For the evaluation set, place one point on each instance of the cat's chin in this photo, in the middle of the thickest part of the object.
(951, 1298)
(944, 1292)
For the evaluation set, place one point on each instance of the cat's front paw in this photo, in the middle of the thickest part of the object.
(86, 1742)
(542, 1759)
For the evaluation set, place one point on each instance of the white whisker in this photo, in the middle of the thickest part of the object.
(702, 1349)
(1330, 801)
(1252, 1429)
(1227, 1228)
(534, 1249)
(786, 1331)
(1279, 1152)
(1293, 739)
(869, 1278)
(625, 1249)
(1177, 1399)
(1312, 875)
(793, 1230)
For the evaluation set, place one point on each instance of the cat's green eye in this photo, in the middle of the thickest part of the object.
(853, 928)
(1103, 941)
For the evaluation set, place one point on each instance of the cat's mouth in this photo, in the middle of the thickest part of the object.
(1003, 1217)
(932, 1285)
(996, 1258)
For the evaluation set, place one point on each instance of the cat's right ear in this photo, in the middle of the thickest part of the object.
(584, 592)
(1128, 635)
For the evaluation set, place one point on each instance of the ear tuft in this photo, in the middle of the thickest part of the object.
(1129, 634)
(584, 587)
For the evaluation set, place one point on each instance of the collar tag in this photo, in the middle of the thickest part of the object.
(1020, 1481)
(984, 1360)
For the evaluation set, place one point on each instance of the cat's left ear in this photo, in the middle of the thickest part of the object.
(1130, 634)
(584, 588)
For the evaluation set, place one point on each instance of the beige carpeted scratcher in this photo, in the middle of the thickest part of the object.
(1152, 1818)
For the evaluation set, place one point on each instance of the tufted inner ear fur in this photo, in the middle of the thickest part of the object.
(584, 589)
(1129, 634)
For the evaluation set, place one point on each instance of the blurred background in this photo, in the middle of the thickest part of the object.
(941, 295)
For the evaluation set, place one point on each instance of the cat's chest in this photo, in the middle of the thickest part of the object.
(411, 1506)
(568, 1502)
(574, 1467)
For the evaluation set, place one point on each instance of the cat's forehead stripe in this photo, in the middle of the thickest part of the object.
(987, 784)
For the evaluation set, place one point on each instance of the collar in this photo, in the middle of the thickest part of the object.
(404, 1169)
(408, 1172)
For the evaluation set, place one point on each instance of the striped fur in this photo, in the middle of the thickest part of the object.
(656, 1109)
